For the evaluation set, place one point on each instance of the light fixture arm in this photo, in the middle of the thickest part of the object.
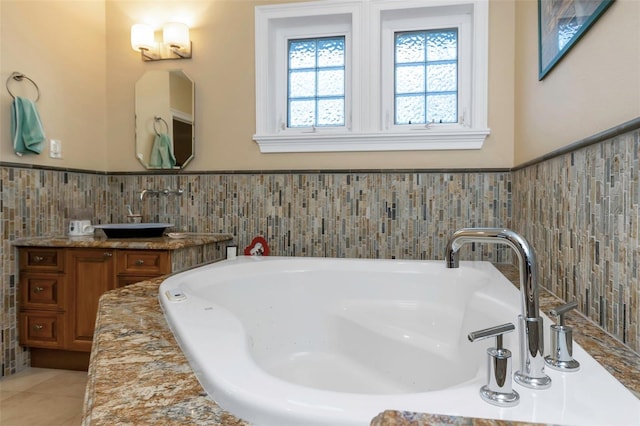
(175, 45)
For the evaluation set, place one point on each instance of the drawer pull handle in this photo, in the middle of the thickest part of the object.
(108, 254)
(38, 327)
(38, 289)
(139, 262)
(38, 259)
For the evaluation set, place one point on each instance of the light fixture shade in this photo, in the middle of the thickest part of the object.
(142, 37)
(176, 34)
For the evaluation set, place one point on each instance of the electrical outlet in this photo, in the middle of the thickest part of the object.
(55, 148)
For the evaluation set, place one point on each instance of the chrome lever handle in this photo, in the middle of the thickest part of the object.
(496, 331)
(561, 310)
(498, 390)
(561, 356)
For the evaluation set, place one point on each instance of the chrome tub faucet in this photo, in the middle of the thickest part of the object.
(531, 373)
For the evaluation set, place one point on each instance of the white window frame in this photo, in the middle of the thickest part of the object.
(368, 25)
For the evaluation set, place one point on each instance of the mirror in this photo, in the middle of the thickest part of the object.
(165, 112)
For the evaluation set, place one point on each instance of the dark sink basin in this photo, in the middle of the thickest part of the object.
(134, 230)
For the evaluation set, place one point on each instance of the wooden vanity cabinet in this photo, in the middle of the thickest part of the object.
(91, 272)
(60, 289)
(139, 265)
(42, 291)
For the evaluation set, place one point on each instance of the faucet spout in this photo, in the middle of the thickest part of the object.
(531, 373)
(524, 252)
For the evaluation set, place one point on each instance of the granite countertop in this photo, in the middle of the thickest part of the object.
(98, 241)
(138, 374)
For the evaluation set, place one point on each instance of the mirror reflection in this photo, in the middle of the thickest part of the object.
(164, 107)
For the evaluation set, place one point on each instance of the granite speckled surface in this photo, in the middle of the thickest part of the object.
(138, 374)
(97, 241)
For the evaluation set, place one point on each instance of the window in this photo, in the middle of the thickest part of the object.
(426, 77)
(316, 82)
(371, 75)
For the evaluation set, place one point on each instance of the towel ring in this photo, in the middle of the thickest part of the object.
(18, 76)
(156, 120)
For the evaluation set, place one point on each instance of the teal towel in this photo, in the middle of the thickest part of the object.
(26, 127)
(162, 152)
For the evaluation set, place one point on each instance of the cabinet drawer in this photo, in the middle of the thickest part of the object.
(41, 330)
(42, 259)
(143, 262)
(41, 291)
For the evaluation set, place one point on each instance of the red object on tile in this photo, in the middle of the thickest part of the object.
(258, 247)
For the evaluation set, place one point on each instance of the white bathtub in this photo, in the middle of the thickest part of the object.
(319, 341)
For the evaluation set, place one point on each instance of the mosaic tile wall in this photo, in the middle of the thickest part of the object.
(372, 215)
(581, 212)
(32, 203)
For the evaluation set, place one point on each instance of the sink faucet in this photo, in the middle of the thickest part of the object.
(531, 373)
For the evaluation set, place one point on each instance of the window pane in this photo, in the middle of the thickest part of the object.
(426, 64)
(442, 45)
(442, 109)
(302, 54)
(316, 85)
(302, 84)
(331, 53)
(442, 78)
(410, 79)
(302, 113)
(410, 110)
(331, 112)
(409, 47)
(331, 83)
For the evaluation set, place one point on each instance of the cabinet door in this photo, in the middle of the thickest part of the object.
(91, 272)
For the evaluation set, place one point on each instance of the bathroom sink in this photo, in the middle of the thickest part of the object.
(134, 230)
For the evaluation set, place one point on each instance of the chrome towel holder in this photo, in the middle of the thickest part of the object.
(156, 120)
(18, 76)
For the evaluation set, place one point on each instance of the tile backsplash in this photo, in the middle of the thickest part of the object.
(579, 211)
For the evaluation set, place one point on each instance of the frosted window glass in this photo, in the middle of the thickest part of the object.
(441, 108)
(302, 54)
(410, 47)
(410, 109)
(302, 113)
(331, 53)
(442, 78)
(331, 83)
(302, 84)
(410, 79)
(316, 82)
(442, 45)
(331, 112)
(426, 64)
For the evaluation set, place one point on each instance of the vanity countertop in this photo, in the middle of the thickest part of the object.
(157, 243)
(138, 374)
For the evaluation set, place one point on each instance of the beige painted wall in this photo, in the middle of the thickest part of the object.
(60, 45)
(223, 70)
(596, 86)
(87, 71)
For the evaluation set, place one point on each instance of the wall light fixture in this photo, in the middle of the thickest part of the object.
(175, 42)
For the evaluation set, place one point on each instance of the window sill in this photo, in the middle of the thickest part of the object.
(418, 140)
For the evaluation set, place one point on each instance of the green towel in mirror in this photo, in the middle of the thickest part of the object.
(162, 152)
(26, 128)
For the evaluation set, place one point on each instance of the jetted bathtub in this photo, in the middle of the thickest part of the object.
(321, 341)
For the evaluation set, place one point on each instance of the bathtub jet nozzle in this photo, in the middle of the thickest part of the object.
(531, 373)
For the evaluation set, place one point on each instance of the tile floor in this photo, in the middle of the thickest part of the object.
(42, 397)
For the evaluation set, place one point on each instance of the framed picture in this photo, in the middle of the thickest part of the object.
(561, 23)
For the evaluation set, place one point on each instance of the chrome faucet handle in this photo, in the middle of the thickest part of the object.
(498, 390)
(561, 357)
